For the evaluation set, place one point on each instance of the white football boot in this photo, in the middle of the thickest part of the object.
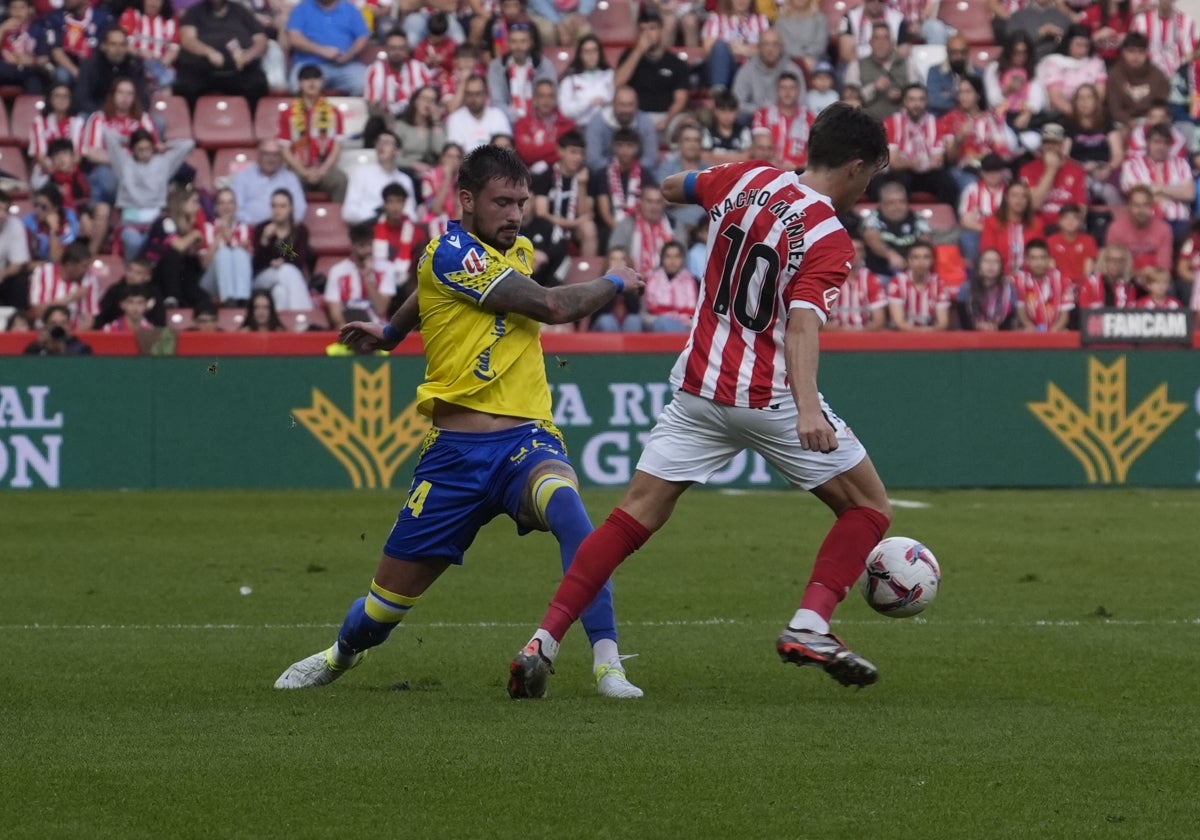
(316, 670)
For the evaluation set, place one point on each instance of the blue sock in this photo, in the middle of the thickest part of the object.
(563, 512)
(370, 620)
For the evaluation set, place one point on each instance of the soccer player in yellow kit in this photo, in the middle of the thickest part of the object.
(492, 449)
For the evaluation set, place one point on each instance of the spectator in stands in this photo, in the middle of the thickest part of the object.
(1063, 73)
(1112, 284)
(221, 49)
(857, 30)
(617, 185)
(138, 274)
(1168, 178)
(253, 186)
(725, 141)
(133, 313)
(1159, 113)
(66, 173)
(658, 76)
(588, 82)
(1148, 238)
(978, 201)
(622, 313)
(436, 52)
(1134, 83)
(20, 63)
(205, 319)
(756, 84)
(262, 315)
(917, 299)
(328, 35)
(142, 180)
(971, 132)
(1187, 266)
(416, 17)
(396, 241)
(623, 114)
(891, 229)
(69, 35)
(55, 337)
(475, 122)
(1012, 227)
(1095, 144)
(58, 120)
(438, 189)
(805, 32)
(788, 122)
(688, 156)
(862, 305)
(1072, 249)
(1053, 178)
(110, 62)
(513, 76)
(881, 75)
(562, 198)
(1001, 11)
(153, 38)
(681, 21)
(50, 225)
(643, 233)
(14, 257)
(420, 132)
(987, 302)
(355, 290)
(1008, 85)
(391, 82)
(228, 272)
(174, 246)
(467, 63)
(918, 151)
(495, 34)
(669, 300)
(730, 38)
(364, 197)
(1157, 283)
(69, 283)
(1171, 34)
(567, 18)
(944, 80)
(1044, 22)
(1108, 22)
(1044, 297)
(282, 258)
(310, 134)
(536, 134)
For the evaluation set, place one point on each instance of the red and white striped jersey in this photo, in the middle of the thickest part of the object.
(1045, 298)
(1166, 303)
(345, 285)
(239, 237)
(47, 128)
(47, 285)
(773, 245)
(1172, 40)
(788, 133)
(1090, 294)
(393, 88)
(312, 132)
(918, 141)
(1171, 172)
(150, 37)
(985, 133)
(97, 124)
(920, 302)
(1136, 145)
(744, 29)
(861, 295)
(979, 198)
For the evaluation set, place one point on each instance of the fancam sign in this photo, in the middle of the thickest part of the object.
(1136, 326)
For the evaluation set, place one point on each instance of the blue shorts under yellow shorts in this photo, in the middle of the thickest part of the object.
(463, 481)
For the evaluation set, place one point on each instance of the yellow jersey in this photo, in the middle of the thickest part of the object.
(477, 359)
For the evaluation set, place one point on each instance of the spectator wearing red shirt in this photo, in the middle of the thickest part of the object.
(1157, 284)
(1012, 227)
(1111, 285)
(1053, 178)
(1147, 237)
(395, 246)
(918, 148)
(1074, 252)
(788, 122)
(310, 131)
(536, 134)
(1044, 297)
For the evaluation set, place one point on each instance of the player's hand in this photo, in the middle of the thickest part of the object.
(634, 282)
(815, 432)
(364, 337)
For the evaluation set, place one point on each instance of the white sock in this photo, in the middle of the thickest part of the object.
(549, 644)
(342, 660)
(808, 620)
(605, 652)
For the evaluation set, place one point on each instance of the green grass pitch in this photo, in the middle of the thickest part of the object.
(1050, 692)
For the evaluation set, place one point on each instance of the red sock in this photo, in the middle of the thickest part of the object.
(597, 558)
(841, 558)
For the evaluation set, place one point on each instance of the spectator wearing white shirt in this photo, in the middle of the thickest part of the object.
(253, 186)
(476, 122)
(587, 83)
(355, 287)
(364, 195)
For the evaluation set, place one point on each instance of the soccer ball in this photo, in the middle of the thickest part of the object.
(902, 577)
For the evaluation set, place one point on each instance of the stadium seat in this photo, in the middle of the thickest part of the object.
(108, 269)
(583, 269)
(924, 56)
(198, 159)
(371, 52)
(10, 92)
(613, 22)
(12, 164)
(266, 116)
(970, 17)
(351, 159)
(223, 121)
(6, 134)
(326, 230)
(26, 109)
(21, 207)
(231, 320)
(304, 321)
(613, 55)
(560, 57)
(834, 11)
(174, 111)
(354, 116)
(228, 162)
(691, 56)
(982, 56)
(326, 262)
(941, 217)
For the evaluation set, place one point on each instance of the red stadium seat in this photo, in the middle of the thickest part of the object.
(940, 217)
(612, 55)
(305, 321)
(970, 17)
(266, 116)
(231, 320)
(835, 10)
(691, 56)
(198, 159)
(12, 164)
(583, 269)
(613, 22)
(20, 207)
(108, 269)
(560, 57)
(26, 109)
(984, 55)
(174, 111)
(229, 162)
(326, 262)
(326, 230)
(222, 121)
(6, 134)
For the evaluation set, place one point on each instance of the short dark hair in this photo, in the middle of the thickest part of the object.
(141, 262)
(393, 135)
(913, 86)
(362, 232)
(51, 193)
(1072, 208)
(1162, 132)
(572, 139)
(627, 135)
(725, 100)
(843, 133)
(53, 309)
(60, 144)
(1039, 244)
(394, 190)
(140, 135)
(310, 71)
(438, 24)
(110, 30)
(76, 252)
(672, 245)
(789, 75)
(1135, 41)
(138, 290)
(491, 163)
(921, 243)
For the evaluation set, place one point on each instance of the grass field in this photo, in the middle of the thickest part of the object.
(1051, 692)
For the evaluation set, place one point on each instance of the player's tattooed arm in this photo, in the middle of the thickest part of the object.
(518, 293)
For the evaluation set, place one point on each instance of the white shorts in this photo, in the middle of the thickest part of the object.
(694, 437)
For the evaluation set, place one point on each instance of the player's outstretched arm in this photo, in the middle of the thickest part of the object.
(802, 350)
(366, 337)
(518, 293)
(675, 188)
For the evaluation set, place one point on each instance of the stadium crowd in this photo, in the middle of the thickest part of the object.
(271, 166)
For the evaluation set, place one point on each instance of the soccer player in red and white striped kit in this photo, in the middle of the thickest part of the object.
(777, 259)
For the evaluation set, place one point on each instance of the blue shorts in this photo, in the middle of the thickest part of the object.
(463, 481)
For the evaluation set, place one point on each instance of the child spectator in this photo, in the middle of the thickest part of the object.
(671, 293)
(978, 202)
(821, 93)
(726, 141)
(621, 313)
(988, 301)
(395, 240)
(205, 319)
(20, 63)
(1044, 297)
(1157, 283)
(138, 274)
(133, 309)
(917, 301)
(58, 120)
(862, 305)
(1073, 251)
(355, 289)
(66, 173)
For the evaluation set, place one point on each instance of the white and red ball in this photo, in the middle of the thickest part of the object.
(902, 577)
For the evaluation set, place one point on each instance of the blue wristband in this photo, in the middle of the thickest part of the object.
(616, 281)
(390, 333)
(689, 187)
